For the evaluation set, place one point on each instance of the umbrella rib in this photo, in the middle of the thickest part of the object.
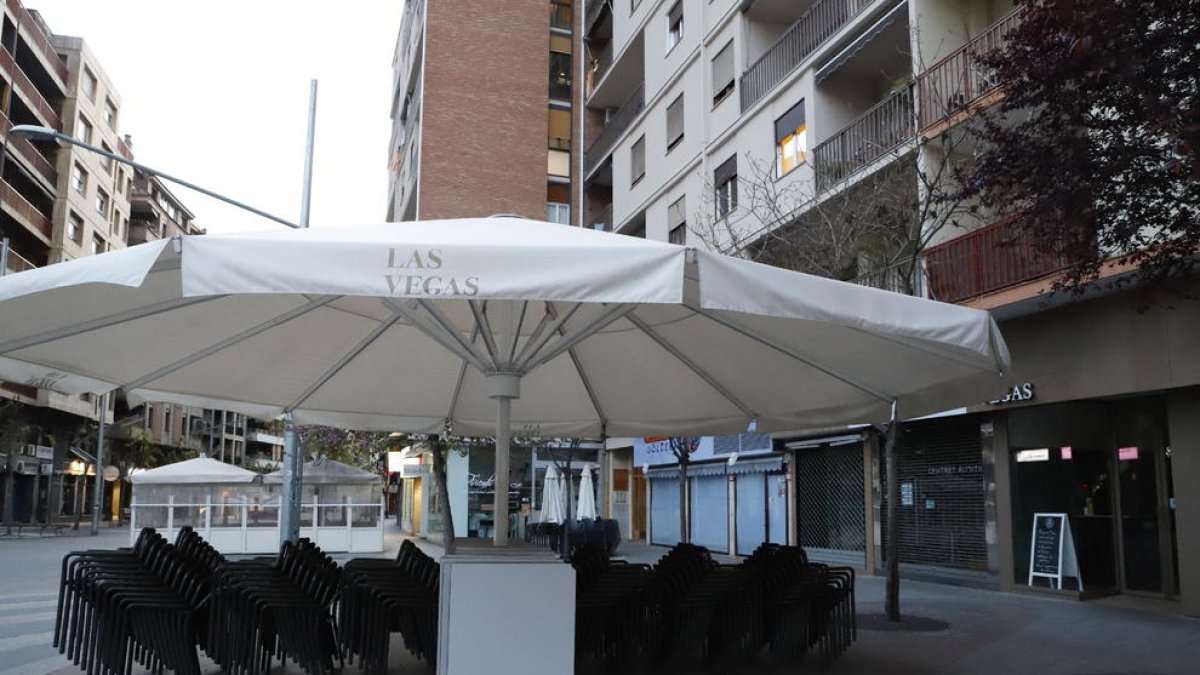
(570, 340)
(754, 335)
(921, 348)
(692, 365)
(462, 374)
(439, 332)
(484, 328)
(349, 356)
(559, 318)
(230, 341)
(104, 322)
(535, 344)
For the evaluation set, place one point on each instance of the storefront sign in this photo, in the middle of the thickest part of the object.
(1052, 550)
(478, 482)
(954, 469)
(656, 451)
(1020, 393)
(906, 494)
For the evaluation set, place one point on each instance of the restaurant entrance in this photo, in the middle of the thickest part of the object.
(1107, 466)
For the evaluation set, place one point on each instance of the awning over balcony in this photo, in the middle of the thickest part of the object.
(844, 56)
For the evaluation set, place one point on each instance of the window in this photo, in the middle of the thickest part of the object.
(558, 163)
(674, 25)
(87, 84)
(675, 123)
(791, 141)
(560, 68)
(97, 244)
(725, 186)
(102, 202)
(722, 73)
(79, 179)
(558, 213)
(85, 130)
(637, 161)
(559, 132)
(677, 221)
(110, 114)
(74, 228)
(106, 162)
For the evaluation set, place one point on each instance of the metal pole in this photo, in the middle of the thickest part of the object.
(500, 505)
(293, 458)
(98, 492)
(3, 256)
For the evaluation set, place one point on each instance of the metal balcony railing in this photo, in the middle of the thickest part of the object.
(870, 136)
(617, 124)
(603, 221)
(902, 277)
(16, 204)
(959, 80)
(594, 8)
(27, 91)
(812, 29)
(38, 40)
(988, 259)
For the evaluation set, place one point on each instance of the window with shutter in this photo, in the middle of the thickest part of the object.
(791, 140)
(725, 186)
(675, 122)
(677, 221)
(722, 73)
(637, 161)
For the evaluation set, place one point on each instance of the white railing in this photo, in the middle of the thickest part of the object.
(242, 526)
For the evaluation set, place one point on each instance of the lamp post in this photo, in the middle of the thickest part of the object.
(37, 133)
(293, 469)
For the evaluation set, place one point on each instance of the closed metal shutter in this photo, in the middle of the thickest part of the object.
(941, 516)
(830, 509)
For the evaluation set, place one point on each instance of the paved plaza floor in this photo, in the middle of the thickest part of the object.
(988, 632)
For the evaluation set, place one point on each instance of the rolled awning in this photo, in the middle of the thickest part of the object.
(694, 471)
(861, 41)
(759, 465)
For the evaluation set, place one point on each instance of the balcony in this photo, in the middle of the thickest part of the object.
(29, 154)
(902, 277)
(37, 40)
(24, 212)
(16, 263)
(603, 221)
(592, 13)
(810, 31)
(870, 136)
(617, 124)
(986, 260)
(28, 92)
(959, 81)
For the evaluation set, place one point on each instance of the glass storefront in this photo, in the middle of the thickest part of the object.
(1106, 465)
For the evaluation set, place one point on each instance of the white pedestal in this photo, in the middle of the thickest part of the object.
(506, 614)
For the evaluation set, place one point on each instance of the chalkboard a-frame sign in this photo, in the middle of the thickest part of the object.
(1052, 550)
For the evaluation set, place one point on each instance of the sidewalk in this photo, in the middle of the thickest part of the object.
(989, 632)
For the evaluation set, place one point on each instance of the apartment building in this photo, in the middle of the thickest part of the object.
(717, 123)
(484, 110)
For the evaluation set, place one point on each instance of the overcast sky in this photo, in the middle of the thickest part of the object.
(216, 92)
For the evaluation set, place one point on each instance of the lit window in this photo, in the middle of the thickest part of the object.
(722, 73)
(677, 222)
(558, 213)
(791, 141)
(675, 122)
(725, 186)
(87, 84)
(637, 161)
(85, 130)
(675, 25)
(79, 179)
(560, 75)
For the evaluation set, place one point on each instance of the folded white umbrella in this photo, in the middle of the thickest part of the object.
(489, 323)
(553, 498)
(586, 510)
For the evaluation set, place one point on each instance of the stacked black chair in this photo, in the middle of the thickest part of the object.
(618, 617)
(380, 597)
(263, 610)
(806, 604)
(138, 605)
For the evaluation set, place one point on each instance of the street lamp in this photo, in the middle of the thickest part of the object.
(37, 133)
(294, 462)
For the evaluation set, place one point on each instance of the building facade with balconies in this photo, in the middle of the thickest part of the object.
(484, 110)
(696, 112)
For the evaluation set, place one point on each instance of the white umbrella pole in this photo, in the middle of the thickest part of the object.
(506, 387)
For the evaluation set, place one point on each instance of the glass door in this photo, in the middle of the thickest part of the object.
(1146, 535)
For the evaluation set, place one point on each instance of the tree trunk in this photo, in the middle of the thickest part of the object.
(685, 530)
(439, 472)
(892, 597)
